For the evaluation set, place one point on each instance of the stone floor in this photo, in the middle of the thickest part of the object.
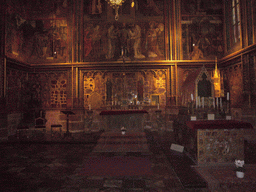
(50, 164)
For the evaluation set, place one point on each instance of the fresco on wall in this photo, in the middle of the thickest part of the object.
(128, 41)
(38, 41)
(123, 39)
(202, 29)
(37, 32)
(124, 88)
(149, 8)
(202, 38)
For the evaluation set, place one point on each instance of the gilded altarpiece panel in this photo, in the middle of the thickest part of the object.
(116, 88)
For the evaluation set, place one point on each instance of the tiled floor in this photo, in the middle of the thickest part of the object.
(55, 165)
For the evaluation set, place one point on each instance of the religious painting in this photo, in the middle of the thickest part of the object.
(123, 41)
(202, 36)
(149, 8)
(39, 34)
(95, 9)
(194, 7)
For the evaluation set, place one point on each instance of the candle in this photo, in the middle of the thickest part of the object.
(199, 103)
(192, 97)
(89, 106)
(158, 106)
(228, 96)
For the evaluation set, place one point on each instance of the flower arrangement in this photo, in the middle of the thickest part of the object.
(239, 165)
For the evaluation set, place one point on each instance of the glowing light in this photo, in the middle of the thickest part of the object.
(132, 4)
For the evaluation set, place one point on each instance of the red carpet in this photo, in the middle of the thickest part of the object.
(117, 166)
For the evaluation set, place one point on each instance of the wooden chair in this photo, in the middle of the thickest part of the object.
(40, 127)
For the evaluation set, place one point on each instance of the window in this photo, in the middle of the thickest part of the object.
(236, 22)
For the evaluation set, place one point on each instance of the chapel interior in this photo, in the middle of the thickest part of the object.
(172, 82)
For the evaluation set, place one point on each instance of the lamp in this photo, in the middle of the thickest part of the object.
(115, 4)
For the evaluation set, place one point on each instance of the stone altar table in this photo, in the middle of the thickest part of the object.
(132, 120)
(215, 141)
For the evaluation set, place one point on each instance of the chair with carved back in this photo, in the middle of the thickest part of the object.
(40, 127)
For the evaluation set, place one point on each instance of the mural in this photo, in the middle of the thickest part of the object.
(125, 39)
(37, 32)
(202, 38)
(202, 26)
(128, 41)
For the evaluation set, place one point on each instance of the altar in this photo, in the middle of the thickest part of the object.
(132, 120)
(215, 141)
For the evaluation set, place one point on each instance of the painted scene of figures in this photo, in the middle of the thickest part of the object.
(123, 41)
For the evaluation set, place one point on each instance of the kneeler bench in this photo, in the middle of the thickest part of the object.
(215, 141)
